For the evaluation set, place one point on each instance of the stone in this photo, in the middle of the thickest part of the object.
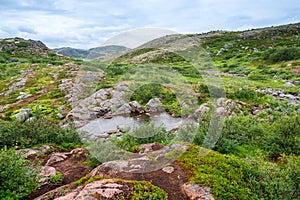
(168, 170)
(21, 116)
(202, 109)
(125, 108)
(255, 112)
(289, 96)
(141, 163)
(23, 95)
(221, 111)
(136, 107)
(101, 111)
(62, 110)
(102, 189)
(60, 116)
(228, 46)
(46, 173)
(42, 149)
(78, 151)
(154, 105)
(289, 84)
(221, 102)
(292, 102)
(102, 94)
(195, 192)
(148, 148)
(57, 157)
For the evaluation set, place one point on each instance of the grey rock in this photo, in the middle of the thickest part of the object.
(148, 148)
(195, 192)
(46, 173)
(101, 111)
(289, 96)
(62, 110)
(57, 157)
(60, 116)
(23, 95)
(21, 116)
(33, 151)
(289, 84)
(221, 111)
(168, 170)
(125, 108)
(228, 46)
(136, 107)
(154, 105)
(221, 102)
(202, 109)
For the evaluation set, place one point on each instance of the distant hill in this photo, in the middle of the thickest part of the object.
(93, 53)
(224, 47)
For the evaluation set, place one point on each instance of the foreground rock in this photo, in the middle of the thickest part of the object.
(196, 192)
(142, 163)
(107, 188)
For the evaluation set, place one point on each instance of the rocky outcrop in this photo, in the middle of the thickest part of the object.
(102, 189)
(46, 172)
(154, 105)
(280, 94)
(23, 114)
(22, 46)
(196, 192)
(224, 107)
(147, 162)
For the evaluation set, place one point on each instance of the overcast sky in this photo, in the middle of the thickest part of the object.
(88, 23)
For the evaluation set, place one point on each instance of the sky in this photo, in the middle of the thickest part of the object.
(88, 23)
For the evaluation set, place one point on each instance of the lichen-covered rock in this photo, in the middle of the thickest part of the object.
(57, 157)
(154, 105)
(196, 192)
(46, 173)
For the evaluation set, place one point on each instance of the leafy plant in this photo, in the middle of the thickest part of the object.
(57, 178)
(17, 178)
(25, 135)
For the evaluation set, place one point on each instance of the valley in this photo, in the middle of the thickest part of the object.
(187, 116)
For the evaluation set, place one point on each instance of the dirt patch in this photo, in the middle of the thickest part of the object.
(171, 183)
(72, 169)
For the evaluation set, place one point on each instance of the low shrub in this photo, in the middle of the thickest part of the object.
(231, 177)
(144, 135)
(27, 134)
(282, 54)
(145, 190)
(17, 179)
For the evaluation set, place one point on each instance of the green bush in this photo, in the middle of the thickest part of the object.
(57, 178)
(146, 92)
(231, 177)
(27, 134)
(282, 54)
(285, 136)
(144, 135)
(17, 179)
(145, 190)
(246, 94)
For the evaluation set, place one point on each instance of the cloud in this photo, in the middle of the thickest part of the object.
(88, 23)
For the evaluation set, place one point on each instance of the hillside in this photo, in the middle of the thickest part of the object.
(30, 77)
(93, 53)
(92, 125)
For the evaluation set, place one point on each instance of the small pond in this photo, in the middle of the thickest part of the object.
(100, 126)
